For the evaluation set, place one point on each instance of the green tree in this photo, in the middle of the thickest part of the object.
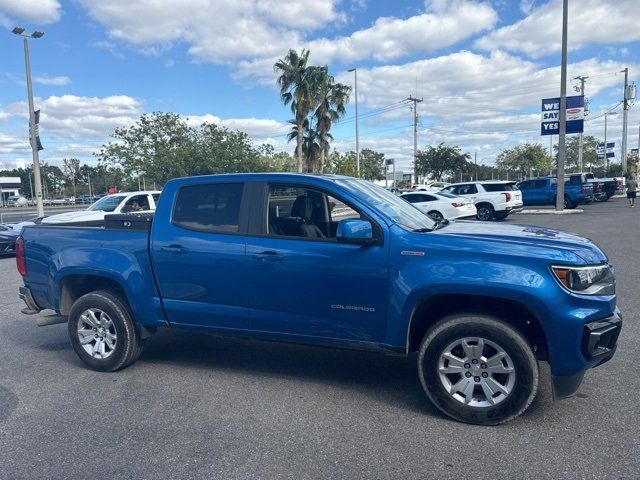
(220, 150)
(331, 106)
(524, 159)
(71, 168)
(159, 146)
(298, 83)
(371, 165)
(589, 158)
(440, 161)
(340, 164)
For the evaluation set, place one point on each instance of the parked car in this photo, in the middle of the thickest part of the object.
(336, 261)
(542, 191)
(116, 203)
(17, 201)
(494, 199)
(441, 206)
(604, 188)
(8, 237)
(430, 187)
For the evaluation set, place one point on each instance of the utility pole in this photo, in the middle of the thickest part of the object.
(355, 85)
(415, 133)
(606, 157)
(582, 80)
(563, 110)
(394, 172)
(32, 120)
(625, 114)
(475, 160)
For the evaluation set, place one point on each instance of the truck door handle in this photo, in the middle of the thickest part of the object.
(268, 256)
(175, 249)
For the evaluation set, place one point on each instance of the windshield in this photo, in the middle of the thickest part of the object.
(445, 194)
(393, 207)
(107, 204)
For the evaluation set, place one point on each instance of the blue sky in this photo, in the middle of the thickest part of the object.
(481, 67)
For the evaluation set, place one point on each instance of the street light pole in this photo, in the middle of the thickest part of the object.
(582, 79)
(563, 110)
(625, 113)
(355, 87)
(32, 120)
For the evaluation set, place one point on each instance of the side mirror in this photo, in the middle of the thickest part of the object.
(355, 231)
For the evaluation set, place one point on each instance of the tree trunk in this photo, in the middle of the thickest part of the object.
(321, 165)
(299, 146)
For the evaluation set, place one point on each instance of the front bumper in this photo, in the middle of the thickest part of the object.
(598, 344)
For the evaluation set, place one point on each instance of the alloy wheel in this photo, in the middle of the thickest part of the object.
(97, 333)
(476, 372)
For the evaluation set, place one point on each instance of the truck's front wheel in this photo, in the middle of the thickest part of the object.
(102, 331)
(477, 369)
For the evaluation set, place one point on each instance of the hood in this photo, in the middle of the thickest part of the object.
(526, 238)
(75, 217)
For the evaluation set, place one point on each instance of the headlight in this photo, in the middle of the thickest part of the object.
(591, 280)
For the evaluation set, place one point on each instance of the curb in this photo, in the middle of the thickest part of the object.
(550, 211)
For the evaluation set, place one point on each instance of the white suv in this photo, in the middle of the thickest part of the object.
(494, 199)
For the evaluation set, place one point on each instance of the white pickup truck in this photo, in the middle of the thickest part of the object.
(494, 199)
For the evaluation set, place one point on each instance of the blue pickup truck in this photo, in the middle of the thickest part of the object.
(543, 191)
(335, 261)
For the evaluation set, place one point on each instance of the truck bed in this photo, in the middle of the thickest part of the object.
(57, 251)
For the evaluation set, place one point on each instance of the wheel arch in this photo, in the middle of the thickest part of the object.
(73, 286)
(432, 308)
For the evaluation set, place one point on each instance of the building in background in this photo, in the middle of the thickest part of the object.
(9, 187)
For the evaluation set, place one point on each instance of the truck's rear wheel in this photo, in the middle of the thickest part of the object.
(485, 212)
(477, 369)
(103, 333)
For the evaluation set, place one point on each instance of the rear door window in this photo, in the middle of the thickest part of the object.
(213, 208)
(498, 187)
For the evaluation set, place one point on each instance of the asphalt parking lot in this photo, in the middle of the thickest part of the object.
(202, 407)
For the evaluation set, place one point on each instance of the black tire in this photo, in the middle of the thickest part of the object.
(568, 204)
(128, 344)
(501, 215)
(485, 212)
(492, 330)
(437, 216)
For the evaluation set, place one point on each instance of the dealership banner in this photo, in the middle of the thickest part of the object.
(611, 150)
(550, 124)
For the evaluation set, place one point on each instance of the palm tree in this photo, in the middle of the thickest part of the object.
(297, 87)
(310, 144)
(331, 106)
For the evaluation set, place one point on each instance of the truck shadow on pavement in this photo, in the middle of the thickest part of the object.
(390, 379)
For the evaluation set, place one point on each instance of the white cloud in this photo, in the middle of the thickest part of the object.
(256, 128)
(36, 11)
(480, 102)
(590, 22)
(71, 116)
(216, 31)
(465, 84)
(250, 35)
(443, 24)
(54, 81)
(11, 144)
